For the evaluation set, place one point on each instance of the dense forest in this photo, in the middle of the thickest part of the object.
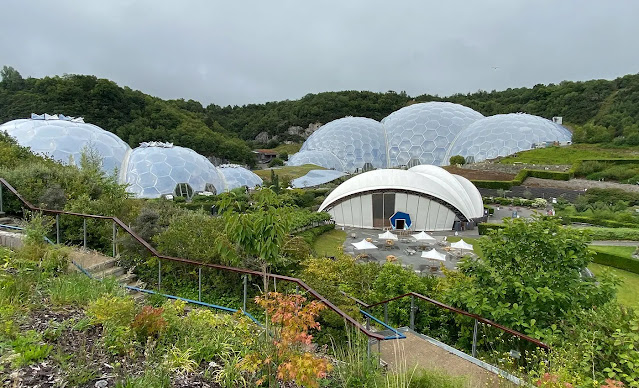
(598, 111)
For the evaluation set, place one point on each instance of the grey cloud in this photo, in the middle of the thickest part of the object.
(254, 51)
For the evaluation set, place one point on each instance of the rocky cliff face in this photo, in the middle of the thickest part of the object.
(265, 137)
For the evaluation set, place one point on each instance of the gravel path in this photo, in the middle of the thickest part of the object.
(579, 184)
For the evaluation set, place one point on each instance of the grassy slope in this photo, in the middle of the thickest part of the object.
(290, 172)
(328, 243)
(288, 148)
(570, 154)
(628, 291)
(614, 250)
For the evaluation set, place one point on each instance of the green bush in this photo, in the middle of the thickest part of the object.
(457, 160)
(276, 162)
(613, 233)
(597, 221)
(625, 263)
(485, 228)
(310, 235)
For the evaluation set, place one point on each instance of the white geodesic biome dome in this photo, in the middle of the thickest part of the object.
(355, 141)
(237, 176)
(64, 139)
(505, 134)
(324, 159)
(155, 169)
(421, 133)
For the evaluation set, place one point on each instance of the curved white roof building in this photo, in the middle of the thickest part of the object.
(426, 197)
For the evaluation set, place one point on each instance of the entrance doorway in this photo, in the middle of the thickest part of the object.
(400, 224)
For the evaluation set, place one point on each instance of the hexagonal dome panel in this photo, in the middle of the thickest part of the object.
(355, 141)
(429, 126)
(64, 138)
(237, 176)
(505, 134)
(155, 169)
(324, 159)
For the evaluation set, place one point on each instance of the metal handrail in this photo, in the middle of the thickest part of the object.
(458, 311)
(155, 253)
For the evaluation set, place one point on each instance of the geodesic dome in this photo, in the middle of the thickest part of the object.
(236, 176)
(421, 133)
(155, 169)
(355, 141)
(324, 159)
(64, 138)
(505, 134)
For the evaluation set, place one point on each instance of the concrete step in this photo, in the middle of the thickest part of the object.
(126, 278)
(112, 271)
(106, 264)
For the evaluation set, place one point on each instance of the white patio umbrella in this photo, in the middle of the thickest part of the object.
(423, 236)
(364, 245)
(387, 236)
(461, 244)
(433, 254)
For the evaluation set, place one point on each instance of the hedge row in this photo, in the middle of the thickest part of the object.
(613, 233)
(566, 219)
(484, 228)
(522, 176)
(310, 235)
(621, 262)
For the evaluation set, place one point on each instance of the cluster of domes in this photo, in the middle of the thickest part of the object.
(152, 170)
(424, 133)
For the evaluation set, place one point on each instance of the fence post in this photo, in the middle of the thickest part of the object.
(159, 274)
(57, 229)
(1, 199)
(115, 232)
(199, 284)
(386, 313)
(474, 349)
(84, 227)
(368, 323)
(245, 281)
(412, 312)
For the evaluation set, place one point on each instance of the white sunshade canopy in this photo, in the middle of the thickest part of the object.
(461, 244)
(433, 254)
(423, 236)
(362, 245)
(387, 236)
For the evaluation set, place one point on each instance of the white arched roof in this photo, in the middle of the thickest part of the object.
(439, 184)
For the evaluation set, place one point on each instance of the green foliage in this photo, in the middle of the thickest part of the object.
(457, 160)
(486, 228)
(260, 232)
(612, 233)
(617, 261)
(197, 236)
(529, 276)
(30, 348)
(12, 154)
(132, 115)
(77, 289)
(149, 323)
(276, 162)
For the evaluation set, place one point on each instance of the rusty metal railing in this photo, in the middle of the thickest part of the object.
(118, 223)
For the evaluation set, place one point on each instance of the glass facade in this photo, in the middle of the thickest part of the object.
(64, 138)
(354, 141)
(157, 169)
(316, 178)
(237, 176)
(421, 133)
(505, 134)
(324, 159)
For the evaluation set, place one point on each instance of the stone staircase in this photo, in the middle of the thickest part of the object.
(101, 267)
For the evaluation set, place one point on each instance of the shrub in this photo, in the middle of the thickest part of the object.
(276, 162)
(149, 322)
(621, 262)
(485, 228)
(457, 160)
(112, 310)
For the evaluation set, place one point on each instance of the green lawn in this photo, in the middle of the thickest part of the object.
(614, 250)
(628, 291)
(570, 154)
(328, 243)
(290, 172)
(290, 149)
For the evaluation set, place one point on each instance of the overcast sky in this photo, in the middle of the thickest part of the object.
(240, 52)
